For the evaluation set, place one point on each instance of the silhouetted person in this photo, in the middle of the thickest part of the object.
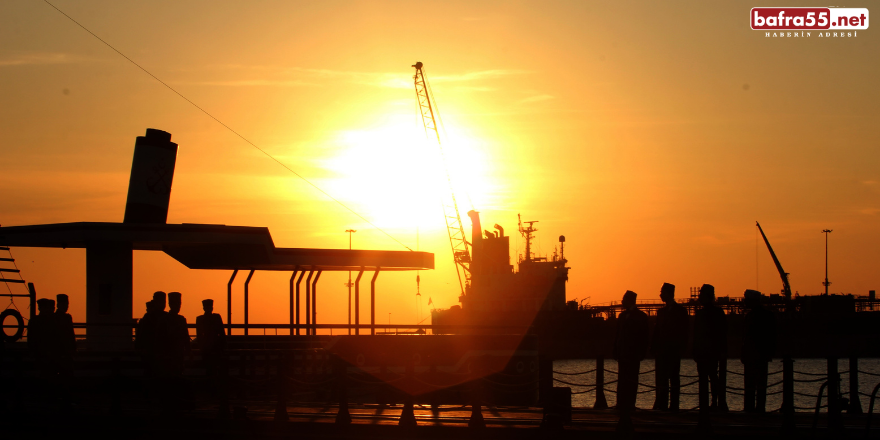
(66, 341)
(176, 334)
(211, 341)
(42, 339)
(759, 342)
(710, 348)
(630, 347)
(149, 335)
(211, 337)
(670, 339)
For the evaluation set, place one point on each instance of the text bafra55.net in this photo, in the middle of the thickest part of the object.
(808, 18)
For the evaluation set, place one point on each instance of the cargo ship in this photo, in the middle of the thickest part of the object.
(499, 294)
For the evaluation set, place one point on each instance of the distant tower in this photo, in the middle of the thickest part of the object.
(826, 283)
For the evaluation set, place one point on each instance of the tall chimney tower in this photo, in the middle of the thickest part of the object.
(152, 172)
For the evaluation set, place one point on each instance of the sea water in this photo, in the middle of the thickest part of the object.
(805, 392)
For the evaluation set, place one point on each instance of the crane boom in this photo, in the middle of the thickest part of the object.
(460, 251)
(786, 287)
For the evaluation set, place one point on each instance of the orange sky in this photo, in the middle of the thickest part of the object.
(652, 135)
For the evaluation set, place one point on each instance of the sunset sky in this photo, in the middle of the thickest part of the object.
(652, 135)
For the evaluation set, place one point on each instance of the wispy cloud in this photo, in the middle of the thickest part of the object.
(255, 82)
(536, 98)
(37, 59)
(299, 76)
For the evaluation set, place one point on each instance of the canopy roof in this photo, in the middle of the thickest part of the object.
(205, 246)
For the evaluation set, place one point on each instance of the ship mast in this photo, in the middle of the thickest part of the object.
(527, 234)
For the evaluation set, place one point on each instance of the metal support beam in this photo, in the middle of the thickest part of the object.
(309, 303)
(299, 280)
(229, 301)
(246, 282)
(357, 303)
(315, 303)
(292, 305)
(373, 302)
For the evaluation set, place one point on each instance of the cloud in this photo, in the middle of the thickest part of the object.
(536, 98)
(255, 82)
(37, 59)
(299, 76)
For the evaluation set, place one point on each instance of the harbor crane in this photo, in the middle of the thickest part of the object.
(457, 240)
(786, 287)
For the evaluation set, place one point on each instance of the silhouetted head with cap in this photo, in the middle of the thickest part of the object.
(159, 300)
(667, 293)
(174, 303)
(707, 294)
(62, 303)
(629, 300)
(46, 306)
(208, 306)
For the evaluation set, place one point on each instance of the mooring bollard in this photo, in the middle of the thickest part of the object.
(343, 417)
(855, 404)
(787, 393)
(476, 420)
(835, 420)
(281, 378)
(722, 393)
(408, 416)
(601, 403)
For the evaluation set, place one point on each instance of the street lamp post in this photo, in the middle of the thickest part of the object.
(826, 283)
(350, 231)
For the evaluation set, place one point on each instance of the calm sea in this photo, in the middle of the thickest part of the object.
(734, 401)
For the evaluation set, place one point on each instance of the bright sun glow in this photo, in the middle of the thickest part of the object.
(394, 175)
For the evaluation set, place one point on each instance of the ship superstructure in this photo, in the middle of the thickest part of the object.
(500, 294)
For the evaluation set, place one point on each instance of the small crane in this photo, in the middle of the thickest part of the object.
(786, 287)
(457, 240)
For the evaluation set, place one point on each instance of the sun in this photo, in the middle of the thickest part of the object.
(396, 176)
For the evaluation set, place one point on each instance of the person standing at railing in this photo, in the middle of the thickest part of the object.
(177, 334)
(710, 348)
(759, 342)
(210, 337)
(66, 343)
(42, 340)
(670, 339)
(630, 347)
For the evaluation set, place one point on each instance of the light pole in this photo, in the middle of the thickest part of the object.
(826, 283)
(350, 231)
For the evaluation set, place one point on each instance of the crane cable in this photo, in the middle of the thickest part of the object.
(228, 127)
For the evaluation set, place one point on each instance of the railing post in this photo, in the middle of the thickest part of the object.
(292, 302)
(309, 302)
(357, 303)
(247, 300)
(601, 403)
(281, 415)
(787, 393)
(298, 280)
(315, 303)
(373, 302)
(476, 420)
(229, 301)
(343, 417)
(855, 404)
(722, 393)
(834, 409)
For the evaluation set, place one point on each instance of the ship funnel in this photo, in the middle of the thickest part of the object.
(500, 230)
(152, 172)
(476, 229)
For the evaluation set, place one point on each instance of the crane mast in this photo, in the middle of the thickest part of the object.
(786, 287)
(460, 251)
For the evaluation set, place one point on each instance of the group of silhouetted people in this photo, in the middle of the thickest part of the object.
(52, 342)
(709, 351)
